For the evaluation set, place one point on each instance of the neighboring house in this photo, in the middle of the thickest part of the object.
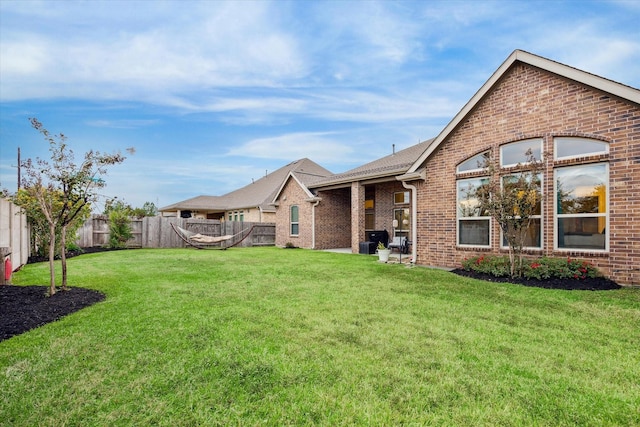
(341, 210)
(250, 203)
(587, 131)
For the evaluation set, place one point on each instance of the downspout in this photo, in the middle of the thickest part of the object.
(414, 220)
(313, 223)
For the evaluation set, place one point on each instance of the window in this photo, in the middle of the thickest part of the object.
(533, 237)
(401, 197)
(567, 148)
(476, 163)
(369, 221)
(294, 220)
(516, 152)
(473, 225)
(241, 216)
(404, 226)
(581, 206)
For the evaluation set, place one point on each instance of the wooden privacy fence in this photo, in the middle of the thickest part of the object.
(156, 232)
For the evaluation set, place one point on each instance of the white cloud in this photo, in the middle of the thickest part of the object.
(320, 147)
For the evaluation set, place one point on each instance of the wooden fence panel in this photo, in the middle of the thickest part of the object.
(15, 233)
(136, 232)
(156, 232)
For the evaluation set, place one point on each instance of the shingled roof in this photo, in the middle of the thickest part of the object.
(386, 167)
(257, 194)
(261, 192)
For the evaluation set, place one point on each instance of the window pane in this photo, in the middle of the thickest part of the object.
(402, 216)
(369, 221)
(294, 229)
(468, 205)
(533, 235)
(294, 214)
(582, 189)
(401, 197)
(581, 233)
(516, 152)
(474, 232)
(575, 147)
(475, 163)
(510, 183)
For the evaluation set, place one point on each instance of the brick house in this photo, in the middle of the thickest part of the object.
(341, 210)
(251, 203)
(587, 131)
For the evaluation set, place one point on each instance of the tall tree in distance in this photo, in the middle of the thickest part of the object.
(64, 189)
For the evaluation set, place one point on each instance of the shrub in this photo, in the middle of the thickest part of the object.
(498, 266)
(540, 268)
(119, 229)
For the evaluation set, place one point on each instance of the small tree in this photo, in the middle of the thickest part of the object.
(63, 190)
(119, 228)
(512, 200)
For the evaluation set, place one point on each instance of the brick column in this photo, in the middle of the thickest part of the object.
(357, 216)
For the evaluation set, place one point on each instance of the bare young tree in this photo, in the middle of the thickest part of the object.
(64, 189)
(512, 199)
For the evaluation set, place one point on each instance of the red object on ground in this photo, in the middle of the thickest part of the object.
(7, 269)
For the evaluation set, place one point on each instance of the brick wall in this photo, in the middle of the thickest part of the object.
(333, 219)
(532, 103)
(291, 195)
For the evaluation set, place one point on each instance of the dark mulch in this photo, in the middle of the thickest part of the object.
(23, 308)
(589, 284)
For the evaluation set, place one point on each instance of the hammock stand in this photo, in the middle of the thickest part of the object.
(202, 241)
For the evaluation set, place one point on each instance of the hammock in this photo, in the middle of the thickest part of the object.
(202, 241)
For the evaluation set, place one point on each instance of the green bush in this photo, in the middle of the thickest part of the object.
(119, 228)
(540, 268)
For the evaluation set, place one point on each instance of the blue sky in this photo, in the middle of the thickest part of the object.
(213, 94)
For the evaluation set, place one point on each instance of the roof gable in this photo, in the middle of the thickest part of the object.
(614, 88)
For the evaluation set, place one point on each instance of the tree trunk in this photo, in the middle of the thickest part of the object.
(512, 261)
(52, 254)
(63, 256)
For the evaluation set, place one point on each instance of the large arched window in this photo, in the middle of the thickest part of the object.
(515, 153)
(475, 163)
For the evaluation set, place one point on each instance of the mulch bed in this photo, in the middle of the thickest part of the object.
(23, 308)
(588, 284)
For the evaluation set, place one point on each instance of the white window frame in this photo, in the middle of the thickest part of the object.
(557, 216)
(292, 222)
(468, 218)
(524, 159)
(583, 154)
(539, 217)
(484, 155)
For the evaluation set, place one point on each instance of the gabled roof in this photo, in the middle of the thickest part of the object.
(195, 203)
(386, 167)
(618, 89)
(259, 193)
(303, 182)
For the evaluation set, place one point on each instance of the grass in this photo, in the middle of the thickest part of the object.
(267, 336)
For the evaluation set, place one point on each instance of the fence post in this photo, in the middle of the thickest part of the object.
(4, 252)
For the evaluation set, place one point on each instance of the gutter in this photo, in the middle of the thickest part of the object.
(419, 175)
(315, 201)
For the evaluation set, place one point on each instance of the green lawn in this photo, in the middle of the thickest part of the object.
(269, 336)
